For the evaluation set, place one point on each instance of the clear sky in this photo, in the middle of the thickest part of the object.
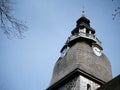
(27, 64)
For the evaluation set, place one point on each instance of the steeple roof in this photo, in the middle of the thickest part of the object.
(83, 22)
(83, 19)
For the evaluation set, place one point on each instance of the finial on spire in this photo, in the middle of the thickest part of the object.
(83, 12)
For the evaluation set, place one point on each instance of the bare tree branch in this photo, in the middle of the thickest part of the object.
(10, 25)
(116, 12)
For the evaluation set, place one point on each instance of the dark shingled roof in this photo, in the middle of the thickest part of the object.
(81, 56)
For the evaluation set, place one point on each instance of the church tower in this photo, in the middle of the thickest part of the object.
(82, 64)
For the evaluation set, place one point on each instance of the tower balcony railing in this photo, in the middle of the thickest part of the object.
(84, 35)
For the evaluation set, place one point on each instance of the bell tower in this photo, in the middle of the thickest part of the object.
(82, 64)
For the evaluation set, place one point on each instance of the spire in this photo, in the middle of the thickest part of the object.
(83, 12)
(83, 19)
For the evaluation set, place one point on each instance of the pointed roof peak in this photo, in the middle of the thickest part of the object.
(83, 19)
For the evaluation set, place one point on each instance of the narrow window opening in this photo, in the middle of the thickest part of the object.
(88, 87)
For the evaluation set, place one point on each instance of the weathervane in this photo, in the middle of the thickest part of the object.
(83, 12)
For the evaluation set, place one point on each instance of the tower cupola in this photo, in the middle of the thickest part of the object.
(83, 19)
(82, 32)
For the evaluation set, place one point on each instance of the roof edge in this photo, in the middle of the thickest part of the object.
(76, 72)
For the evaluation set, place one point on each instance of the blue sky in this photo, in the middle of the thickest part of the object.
(27, 64)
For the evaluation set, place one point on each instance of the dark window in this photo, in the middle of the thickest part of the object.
(88, 87)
